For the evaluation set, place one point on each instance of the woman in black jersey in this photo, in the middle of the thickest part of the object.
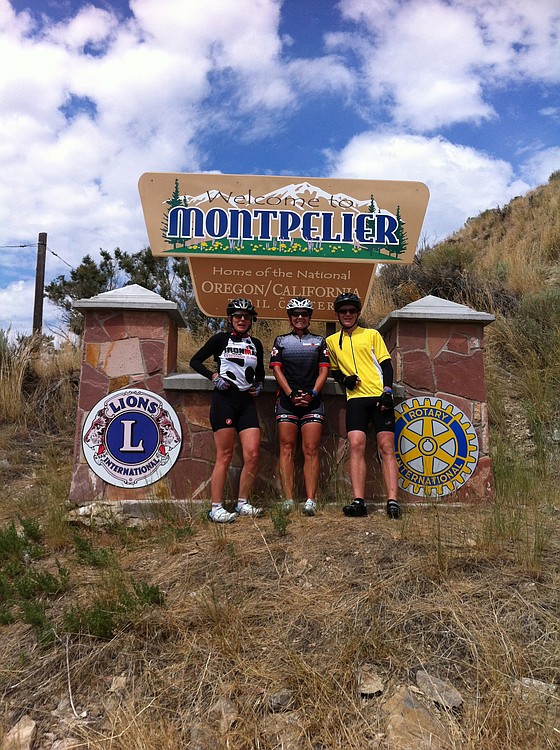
(237, 380)
(300, 364)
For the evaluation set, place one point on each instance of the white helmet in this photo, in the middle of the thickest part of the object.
(299, 303)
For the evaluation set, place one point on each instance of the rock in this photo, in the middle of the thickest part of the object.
(534, 690)
(441, 692)
(118, 683)
(284, 731)
(410, 726)
(21, 736)
(369, 682)
(69, 743)
(201, 738)
(225, 713)
(281, 700)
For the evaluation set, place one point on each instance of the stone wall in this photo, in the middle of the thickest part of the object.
(130, 340)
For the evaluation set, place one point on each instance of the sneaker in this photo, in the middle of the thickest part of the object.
(393, 509)
(221, 515)
(246, 509)
(288, 506)
(356, 508)
(310, 508)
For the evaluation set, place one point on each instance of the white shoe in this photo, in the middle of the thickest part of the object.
(246, 509)
(221, 515)
(310, 508)
(288, 506)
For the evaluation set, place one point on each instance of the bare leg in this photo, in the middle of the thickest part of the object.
(357, 442)
(287, 434)
(310, 440)
(250, 445)
(223, 440)
(389, 467)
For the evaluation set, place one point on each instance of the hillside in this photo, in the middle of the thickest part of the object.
(312, 633)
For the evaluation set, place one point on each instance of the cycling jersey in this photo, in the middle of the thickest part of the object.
(239, 359)
(300, 358)
(359, 353)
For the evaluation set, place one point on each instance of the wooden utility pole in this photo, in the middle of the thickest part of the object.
(39, 283)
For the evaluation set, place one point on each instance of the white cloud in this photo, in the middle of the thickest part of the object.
(538, 167)
(434, 63)
(462, 181)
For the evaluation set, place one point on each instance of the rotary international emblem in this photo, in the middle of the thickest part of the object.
(436, 446)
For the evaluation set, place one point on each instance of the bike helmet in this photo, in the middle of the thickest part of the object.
(299, 303)
(347, 298)
(241, 305)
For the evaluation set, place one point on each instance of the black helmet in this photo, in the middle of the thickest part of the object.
(241, 305)
(299, 303)
(347, 298)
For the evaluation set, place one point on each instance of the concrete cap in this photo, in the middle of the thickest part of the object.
(435, 308)
(133, 297)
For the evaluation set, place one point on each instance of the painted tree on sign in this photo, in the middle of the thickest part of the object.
(401, 235)
(175, 200)
(370, 223)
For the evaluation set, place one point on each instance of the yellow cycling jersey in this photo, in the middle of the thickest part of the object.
(361, 353)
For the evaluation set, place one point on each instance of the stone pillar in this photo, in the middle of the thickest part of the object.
(437, 350)
(130, 339)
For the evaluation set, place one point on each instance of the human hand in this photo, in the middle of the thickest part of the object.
(221, 384)
(386, 400)
(297, 398)
(256, 389)
(350, 381)
(309, 396)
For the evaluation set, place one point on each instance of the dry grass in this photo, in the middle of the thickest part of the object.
(469, 594)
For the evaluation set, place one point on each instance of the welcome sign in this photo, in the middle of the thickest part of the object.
(268, 216)
(247, 235)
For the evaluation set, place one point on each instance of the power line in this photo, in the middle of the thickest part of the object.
(58, 256)
(34, 244)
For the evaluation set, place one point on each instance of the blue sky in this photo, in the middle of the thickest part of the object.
(463, 95)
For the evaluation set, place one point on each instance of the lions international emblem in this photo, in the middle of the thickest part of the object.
(131, 438)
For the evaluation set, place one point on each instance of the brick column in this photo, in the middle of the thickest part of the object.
(130, 339)
(437, 350)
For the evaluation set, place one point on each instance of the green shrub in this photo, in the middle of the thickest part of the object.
(87, 555)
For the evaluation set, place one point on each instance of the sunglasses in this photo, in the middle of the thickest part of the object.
(300, 314)
(347, 311)
(242, 316)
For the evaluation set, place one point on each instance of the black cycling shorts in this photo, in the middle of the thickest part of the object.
(360, 411)
(299, 415)
(233, 408)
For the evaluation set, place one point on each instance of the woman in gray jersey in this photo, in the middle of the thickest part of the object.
(300, 363)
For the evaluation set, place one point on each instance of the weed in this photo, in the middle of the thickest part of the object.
(34, 615)
(148, 593)
(280, 519)
(6, 617)
(31, 530)
(110, 611)
(14, 546)
(101, 619)
(87, 555)
(6, 588)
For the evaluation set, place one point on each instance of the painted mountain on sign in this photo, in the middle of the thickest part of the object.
(296, 195)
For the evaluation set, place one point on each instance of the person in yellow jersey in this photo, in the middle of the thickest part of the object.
(361, 363)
